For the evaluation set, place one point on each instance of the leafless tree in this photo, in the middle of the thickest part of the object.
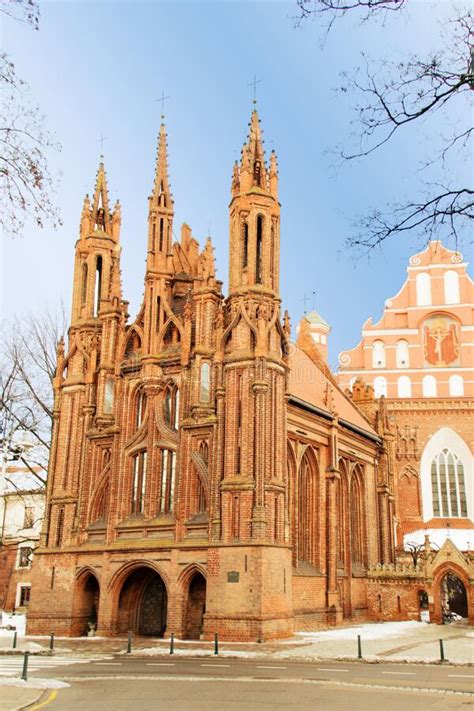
(26, 183)
(395, 95)
(27, 364)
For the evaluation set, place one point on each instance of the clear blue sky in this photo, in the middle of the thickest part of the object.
(98, 67)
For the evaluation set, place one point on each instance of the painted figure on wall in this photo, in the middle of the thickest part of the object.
(441, 343)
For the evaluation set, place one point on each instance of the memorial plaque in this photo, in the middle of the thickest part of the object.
(233, 576)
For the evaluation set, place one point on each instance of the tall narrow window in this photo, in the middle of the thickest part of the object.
(448, 486)
(245, 245)
(307, 509)
(59, 528)
(153, 236)
(109, 395)
(98, 286)
(162, 233)
(140, 408)
(158, 313)
(378, 354)
(171, 406)
(205, 383)
(456, 386)
(423, 289)
(429, 386)
(380, 386)
(139, 482)
(357, 519)
(403, 358)
(404, 386)
(235, 531)
(168, 475)
(259, 251)
(451, 287)
(84, 284)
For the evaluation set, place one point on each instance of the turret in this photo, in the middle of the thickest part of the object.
(319, 330)
(160, 210)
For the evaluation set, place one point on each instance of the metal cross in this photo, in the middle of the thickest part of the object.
(163, 99)
(254, 84)
(304, 300)
(101, 141)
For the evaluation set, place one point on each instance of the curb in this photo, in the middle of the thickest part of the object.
(32, 703)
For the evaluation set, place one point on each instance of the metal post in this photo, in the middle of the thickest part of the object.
(216, 643)
(172, 644)
(441, 650)
(51, 642)
(14, 639)
(359, 647)
(24, 674)
(129, 643)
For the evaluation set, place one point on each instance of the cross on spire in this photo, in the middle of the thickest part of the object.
(254, 84)
(101, 141)
(304, 300)
(162, 100)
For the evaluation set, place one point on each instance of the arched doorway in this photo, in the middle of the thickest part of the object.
(142, 604)
(196, 606)
(86, 604)
(453, 597)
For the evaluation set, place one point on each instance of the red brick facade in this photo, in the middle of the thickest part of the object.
(207, 475)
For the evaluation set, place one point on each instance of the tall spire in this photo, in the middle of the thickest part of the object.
(253, 166)
(160, 208)
(100, 202)
(161, 195)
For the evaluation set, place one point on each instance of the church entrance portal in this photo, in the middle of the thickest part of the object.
(453, 597)
(196, 606)
(143, 603)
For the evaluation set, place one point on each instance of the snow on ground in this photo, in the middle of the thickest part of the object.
(164, 651)
(23, 647)
(366, 632)
(33, 683)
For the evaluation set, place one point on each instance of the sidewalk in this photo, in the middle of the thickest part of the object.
(14, 697)
(388, 641)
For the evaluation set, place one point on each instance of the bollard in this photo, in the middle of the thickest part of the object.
(359, 647)
(216, 643)
(24, 674)
(129, 643)
(172, 644)
(14, 639)
(51, 642)
(441, 650)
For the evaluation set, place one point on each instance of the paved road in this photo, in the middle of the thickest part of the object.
(12, 665)
(437, 677)
(182, 694)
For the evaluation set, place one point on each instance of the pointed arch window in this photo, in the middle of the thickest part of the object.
(307, 508)
(245, 245)
(171, 406)
(448, 485)
(205, 384)
(139, 482)
(167, 481)
(259, 251)
(84, 283)
(140, 408)
(357, 519)
(98, 285)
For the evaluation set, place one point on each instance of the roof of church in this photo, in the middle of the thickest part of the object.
(315, 318)
(309, 383)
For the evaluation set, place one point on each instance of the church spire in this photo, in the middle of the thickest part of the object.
(160, 204)
(253, 166)
(100, 203)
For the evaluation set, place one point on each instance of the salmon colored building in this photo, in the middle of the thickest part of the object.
(419, 358)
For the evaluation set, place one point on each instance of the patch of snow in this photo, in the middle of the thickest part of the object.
(368, 631)
(462, 538)
(34, 683)
(31, 647)
(164, 651)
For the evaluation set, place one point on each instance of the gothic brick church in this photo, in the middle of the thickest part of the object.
(207, 474)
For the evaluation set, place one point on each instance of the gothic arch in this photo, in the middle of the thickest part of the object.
(445, 439)
(291, 468)
(120, 575)
(101, 491)
(86, 600)
(307, 507)
(132, 342)
(358, 524)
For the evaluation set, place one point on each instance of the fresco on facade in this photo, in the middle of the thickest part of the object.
(441, 341)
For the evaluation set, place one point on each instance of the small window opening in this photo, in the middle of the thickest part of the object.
(259, 255)
(98, 286)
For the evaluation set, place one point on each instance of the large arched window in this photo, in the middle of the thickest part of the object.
(456, 386)
(423, 289)
(307, 509)
(380, 386)
(378, 354)
(447, 486)
(404, 386)
(171, 406)
(357, 518)
(139, 482)
(446, 468)
(429, 386)
(403, 357)
(451, 287)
